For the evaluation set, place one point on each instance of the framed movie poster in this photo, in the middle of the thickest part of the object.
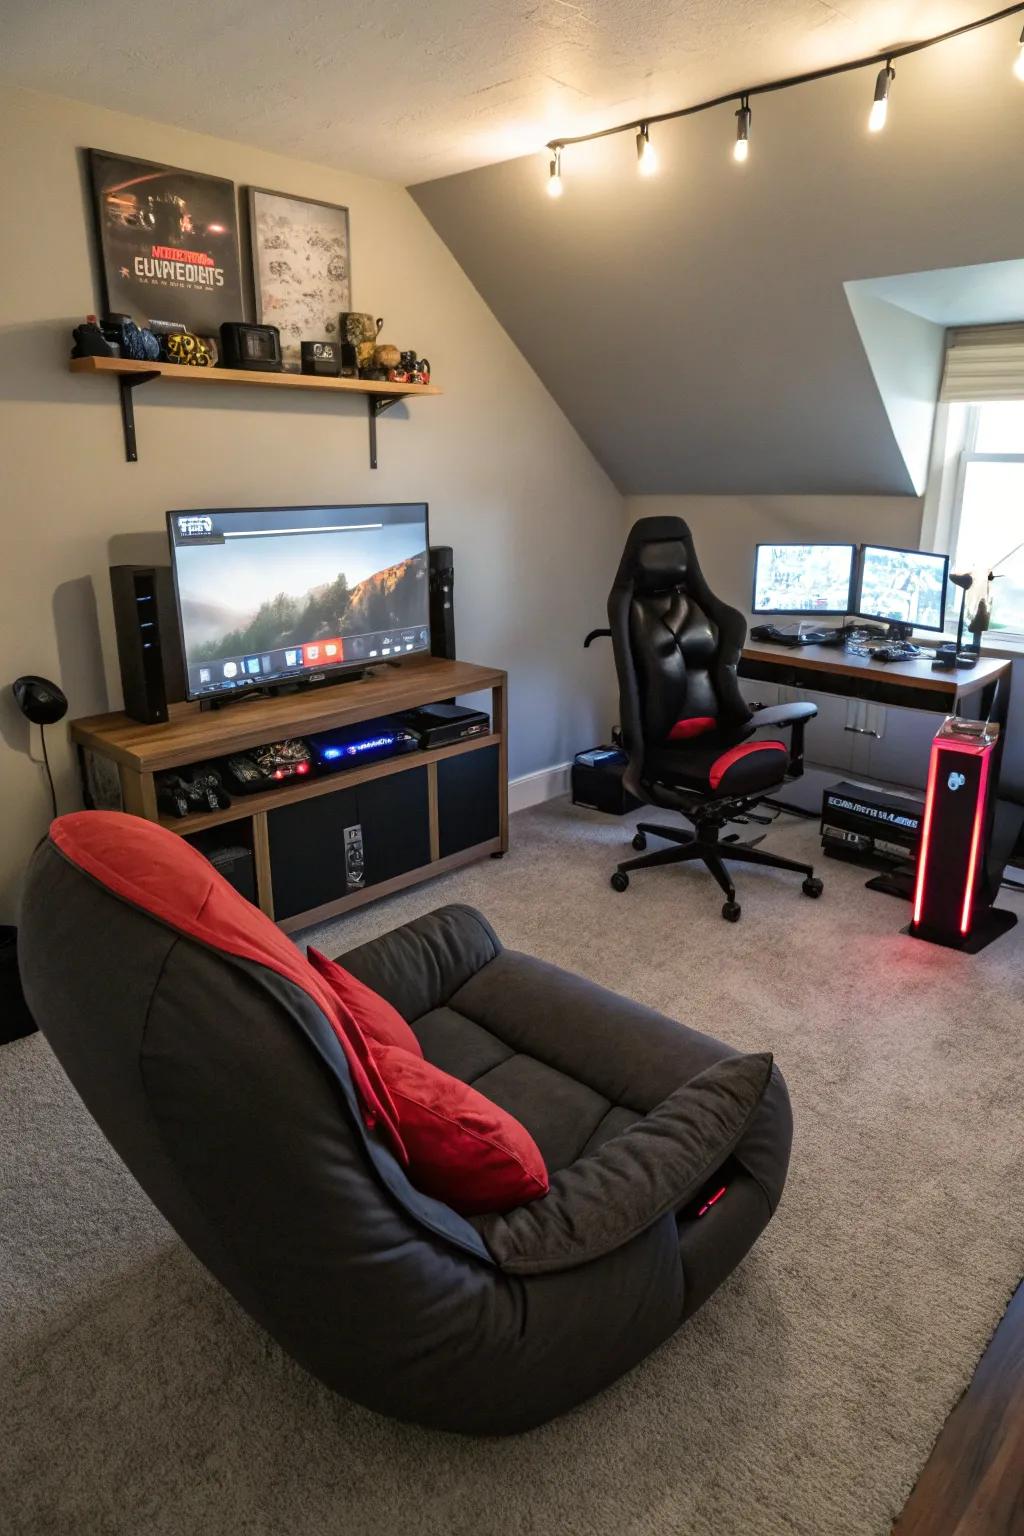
(169, 242)
(300, 266)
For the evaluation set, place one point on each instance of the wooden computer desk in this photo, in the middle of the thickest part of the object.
(982, 691)
(911, 684)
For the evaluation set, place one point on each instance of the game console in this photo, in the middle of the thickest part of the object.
(369, 742)
(438, 725)
(247, 773)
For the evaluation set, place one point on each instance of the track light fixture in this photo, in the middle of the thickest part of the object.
(741, 148)
(880, 106)
(646, 159)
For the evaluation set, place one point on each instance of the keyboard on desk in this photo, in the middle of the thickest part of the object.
(776, 636)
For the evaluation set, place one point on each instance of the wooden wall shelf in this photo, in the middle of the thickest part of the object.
(379, 394)
(138, 752)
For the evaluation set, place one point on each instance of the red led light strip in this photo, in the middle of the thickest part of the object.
(972, 863)
(713, 1201)
(926, 829)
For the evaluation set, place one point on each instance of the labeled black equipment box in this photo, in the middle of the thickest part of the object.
(869, 826)
(349, 745)
(597, 781)
(437, 725)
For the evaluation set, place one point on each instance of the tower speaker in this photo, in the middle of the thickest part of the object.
(442, 601)
(148, 642)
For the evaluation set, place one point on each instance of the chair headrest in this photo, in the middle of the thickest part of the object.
(661, 565)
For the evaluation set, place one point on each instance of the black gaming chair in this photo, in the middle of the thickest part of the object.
(694, 744)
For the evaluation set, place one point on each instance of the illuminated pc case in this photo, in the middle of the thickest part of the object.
(955, 886)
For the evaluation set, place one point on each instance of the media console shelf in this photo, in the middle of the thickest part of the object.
(379, 394)
(421, 814)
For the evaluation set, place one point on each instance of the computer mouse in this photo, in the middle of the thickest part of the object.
(39, 700)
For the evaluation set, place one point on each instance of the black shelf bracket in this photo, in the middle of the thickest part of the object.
(376, 405)
(126, 383)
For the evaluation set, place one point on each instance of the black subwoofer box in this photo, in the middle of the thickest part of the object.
(597, 781)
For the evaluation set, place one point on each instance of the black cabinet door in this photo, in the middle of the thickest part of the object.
(330, 845)
(467, 799)
(307, 851)
(394, 813)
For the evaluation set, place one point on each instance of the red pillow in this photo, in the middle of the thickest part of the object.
(375, 1016)
(157, 871)
(462, 1149)
(696, 725)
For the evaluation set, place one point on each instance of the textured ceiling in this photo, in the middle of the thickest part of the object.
(695, 325)
(410, 91)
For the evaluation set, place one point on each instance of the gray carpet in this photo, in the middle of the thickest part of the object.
(137, 1400)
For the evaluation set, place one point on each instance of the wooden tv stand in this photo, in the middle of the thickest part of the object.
(456, 794)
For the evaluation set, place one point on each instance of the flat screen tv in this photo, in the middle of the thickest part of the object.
(270, 595)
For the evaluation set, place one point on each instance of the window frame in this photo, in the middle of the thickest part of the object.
(954, 451)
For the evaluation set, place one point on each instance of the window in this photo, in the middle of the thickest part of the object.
(986, 524)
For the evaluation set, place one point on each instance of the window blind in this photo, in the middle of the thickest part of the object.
(984, 362)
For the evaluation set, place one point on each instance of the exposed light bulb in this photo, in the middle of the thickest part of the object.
(646, 158)
(555, 175)
(1018, 65)
(741, 148)
(880, 105)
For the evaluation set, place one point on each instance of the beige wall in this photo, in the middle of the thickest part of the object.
(726, 528)
(535, 524)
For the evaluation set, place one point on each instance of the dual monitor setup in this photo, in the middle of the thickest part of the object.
(904, 588)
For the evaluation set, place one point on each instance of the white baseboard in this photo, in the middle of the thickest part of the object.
(534, 788)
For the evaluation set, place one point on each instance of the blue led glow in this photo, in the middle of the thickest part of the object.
(354, 748)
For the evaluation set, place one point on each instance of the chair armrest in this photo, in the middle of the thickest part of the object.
(600, 1202)
(783, 714)
(421, 965)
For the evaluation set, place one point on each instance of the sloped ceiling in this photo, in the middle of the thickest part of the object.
(696, 327)
(406, 90)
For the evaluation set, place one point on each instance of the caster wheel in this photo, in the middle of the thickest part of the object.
(619, 881)
(812, 886)
(731, 911)
(639, 841)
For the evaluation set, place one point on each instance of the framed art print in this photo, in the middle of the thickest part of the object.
(301, 270)
(168, 242)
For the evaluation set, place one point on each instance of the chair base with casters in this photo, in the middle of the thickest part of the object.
(707, 844)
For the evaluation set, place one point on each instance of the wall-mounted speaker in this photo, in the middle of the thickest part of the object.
(148, 640)
(442, 601)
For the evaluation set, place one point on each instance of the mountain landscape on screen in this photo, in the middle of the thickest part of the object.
(389, 599)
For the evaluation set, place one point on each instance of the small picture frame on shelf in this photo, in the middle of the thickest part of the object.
(301, 268)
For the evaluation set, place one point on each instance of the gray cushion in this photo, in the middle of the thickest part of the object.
(605, 1199)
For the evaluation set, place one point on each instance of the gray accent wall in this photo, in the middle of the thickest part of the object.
(695, 326)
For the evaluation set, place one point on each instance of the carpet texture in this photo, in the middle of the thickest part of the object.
(137, 1400)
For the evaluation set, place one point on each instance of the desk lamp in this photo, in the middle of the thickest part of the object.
(950, 655)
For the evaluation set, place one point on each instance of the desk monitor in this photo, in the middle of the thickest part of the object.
(803, 578)
(268, 595)
(904, 586)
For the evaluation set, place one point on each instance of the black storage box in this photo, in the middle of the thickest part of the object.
(597, 781)
(869, 826)
(15, 1019)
